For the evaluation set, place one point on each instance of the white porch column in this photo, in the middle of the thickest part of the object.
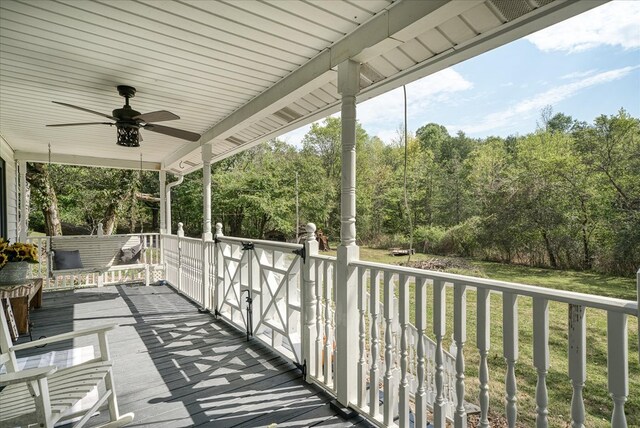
(207, 236)
(168, 201)
(346, 281)
(162, 178)
(24, 210)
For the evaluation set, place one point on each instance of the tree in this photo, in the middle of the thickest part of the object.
(43, 195)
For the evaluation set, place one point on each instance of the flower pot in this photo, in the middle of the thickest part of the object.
(14, 273)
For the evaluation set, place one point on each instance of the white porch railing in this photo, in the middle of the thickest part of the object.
(115, 275)
(183, 265)
(400, 369)
(399, 373)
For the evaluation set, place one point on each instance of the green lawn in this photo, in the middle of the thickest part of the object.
(597, 401)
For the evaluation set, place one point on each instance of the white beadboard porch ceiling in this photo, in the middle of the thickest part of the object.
(238, 72)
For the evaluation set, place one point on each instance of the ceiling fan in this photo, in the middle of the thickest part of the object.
(128, 121)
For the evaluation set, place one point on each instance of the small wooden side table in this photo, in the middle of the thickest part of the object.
(22, 298)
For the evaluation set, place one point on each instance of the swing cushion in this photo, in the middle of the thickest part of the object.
(64, 260)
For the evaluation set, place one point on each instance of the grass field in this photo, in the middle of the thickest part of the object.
(598, 404)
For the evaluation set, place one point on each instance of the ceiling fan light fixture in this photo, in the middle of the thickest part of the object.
(128, 135)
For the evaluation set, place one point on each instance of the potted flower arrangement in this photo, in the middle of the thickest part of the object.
(14, 261)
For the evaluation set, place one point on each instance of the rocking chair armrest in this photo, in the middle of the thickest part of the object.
(27, 375)
(65, 336)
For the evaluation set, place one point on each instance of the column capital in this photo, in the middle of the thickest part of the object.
(348, 78)
(207, 153)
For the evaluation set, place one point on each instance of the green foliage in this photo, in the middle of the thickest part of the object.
(565, 196)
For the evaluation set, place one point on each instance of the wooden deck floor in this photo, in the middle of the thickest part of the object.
(175, 367)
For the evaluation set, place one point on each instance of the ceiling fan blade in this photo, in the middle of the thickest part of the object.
(79, 124)
(156, 116)
(173, 132)
(85, 109)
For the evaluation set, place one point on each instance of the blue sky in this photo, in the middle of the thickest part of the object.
(583, 67)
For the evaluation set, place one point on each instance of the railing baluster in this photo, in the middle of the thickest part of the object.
(319, 313)
(421, 325)
(362, 361)
(541, 358)
(403, 408)
(439, 330)
(577, 362)
(510, 351)
(374, 371)
(617, 365)
(328, 339)
(484, 342)
(389, 391)
(460, 337)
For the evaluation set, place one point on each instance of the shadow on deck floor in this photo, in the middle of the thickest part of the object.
(175, 367)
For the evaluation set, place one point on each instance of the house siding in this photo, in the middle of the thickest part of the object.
(6, 152)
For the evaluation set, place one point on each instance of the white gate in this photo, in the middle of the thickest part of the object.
(258, 291)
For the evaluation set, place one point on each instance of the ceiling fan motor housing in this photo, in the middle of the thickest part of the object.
(128, 134)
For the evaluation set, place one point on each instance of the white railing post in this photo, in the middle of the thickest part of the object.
(403, 316)
(309, 301)
(577, 362)
(217, 260)
(389, 390)
(483, 338)
(362, 339)
(421, 326)
(374, 369)
(617, 365)
(100, 234)
(439, 330)
(510, 352)
(460, 337)
(180, 234)
(346, 279)
(541, 358)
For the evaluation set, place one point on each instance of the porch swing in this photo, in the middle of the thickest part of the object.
(70, 256)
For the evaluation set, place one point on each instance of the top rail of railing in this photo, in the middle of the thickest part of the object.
(183, 238)
(261, 242)
(589, 300)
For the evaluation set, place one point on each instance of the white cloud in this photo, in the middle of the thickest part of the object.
(502, 119)
(388, 108)
(578, 74)
(613, 24)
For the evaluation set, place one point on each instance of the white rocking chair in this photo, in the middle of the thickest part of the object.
(46, 395)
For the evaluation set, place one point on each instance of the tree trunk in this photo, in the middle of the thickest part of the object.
(552, 257)
(44, 195)
(118, 198)
(585, 238)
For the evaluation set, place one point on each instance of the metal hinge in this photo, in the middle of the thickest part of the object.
(302, 252)
(303, 368)
(247, 246)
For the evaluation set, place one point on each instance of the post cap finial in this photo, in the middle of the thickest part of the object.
(219, 229)
(311, 231)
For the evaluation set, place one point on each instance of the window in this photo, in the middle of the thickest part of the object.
(3, 199)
